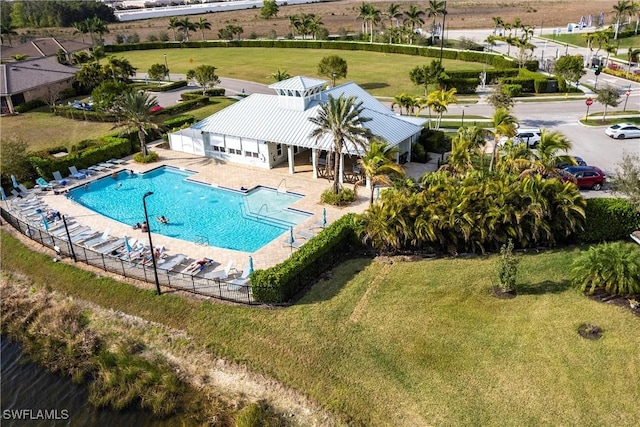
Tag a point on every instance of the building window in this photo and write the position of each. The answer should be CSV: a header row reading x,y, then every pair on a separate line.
x,y
279,150
218,148
235,151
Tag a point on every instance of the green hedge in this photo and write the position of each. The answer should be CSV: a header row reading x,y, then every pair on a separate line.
x,y
75,114
176,122
282,282
29,105
494,60
463,86
112,147
162,87
608,219
183,106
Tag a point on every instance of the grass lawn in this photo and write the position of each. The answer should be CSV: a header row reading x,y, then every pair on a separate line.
x,y
410,343
381,74
54,131
43,130
578,39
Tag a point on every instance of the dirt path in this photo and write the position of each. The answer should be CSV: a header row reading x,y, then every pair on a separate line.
x,y
335,15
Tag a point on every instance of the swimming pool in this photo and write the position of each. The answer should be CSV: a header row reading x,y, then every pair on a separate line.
x,y
196,212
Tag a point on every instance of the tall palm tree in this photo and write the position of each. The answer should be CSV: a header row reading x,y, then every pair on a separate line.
x,y
96,27
504,124
497,23
393,13
435,8
186,26
364,10
119,68
202,25
548,153
80,27
173,25
620,10
135,112
294,22
373,17
633,54
414,18
377,165
439,100
341,119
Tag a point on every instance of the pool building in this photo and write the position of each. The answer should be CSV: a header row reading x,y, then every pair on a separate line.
x,y
265,131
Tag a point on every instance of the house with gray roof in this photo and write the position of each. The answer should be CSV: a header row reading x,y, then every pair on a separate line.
x,y
44,48
266,130
23,81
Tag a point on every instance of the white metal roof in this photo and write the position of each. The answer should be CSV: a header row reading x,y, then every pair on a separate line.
x,y
260,117
298,83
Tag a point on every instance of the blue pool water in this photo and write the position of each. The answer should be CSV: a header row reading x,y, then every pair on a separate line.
x,y
196,212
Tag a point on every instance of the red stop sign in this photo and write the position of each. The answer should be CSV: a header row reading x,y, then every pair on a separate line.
x,y
589,101
628,92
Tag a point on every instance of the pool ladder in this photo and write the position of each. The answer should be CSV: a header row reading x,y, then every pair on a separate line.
x,y
282,190
202,240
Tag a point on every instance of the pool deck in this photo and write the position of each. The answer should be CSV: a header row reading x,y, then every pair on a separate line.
x,y
231,176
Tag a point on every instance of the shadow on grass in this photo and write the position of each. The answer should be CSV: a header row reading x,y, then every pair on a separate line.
x,y
373,85
546,287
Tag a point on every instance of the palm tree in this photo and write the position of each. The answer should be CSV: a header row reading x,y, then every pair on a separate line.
x,y
439,100
294,22
632,55
467,145
393,13
414,18
363,13
621,9
614,267
548,152
341,119
80,27
173,24
135,110
377,165
280,75
119,68
202,25
95,26
373,17
504,124
435,8
497,23
186,26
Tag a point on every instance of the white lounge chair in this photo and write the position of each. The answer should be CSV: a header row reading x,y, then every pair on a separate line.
x,y
307,234
169,263
221,274
107,165
97,241
116,161
237,284
58,177
97,168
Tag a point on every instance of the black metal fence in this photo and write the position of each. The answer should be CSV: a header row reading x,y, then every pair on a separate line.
x,y
214,288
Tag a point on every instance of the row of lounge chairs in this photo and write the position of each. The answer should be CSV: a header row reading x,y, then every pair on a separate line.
x,y
60,181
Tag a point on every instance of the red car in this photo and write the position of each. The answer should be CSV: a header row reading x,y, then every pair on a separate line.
x,y
156,109
589,177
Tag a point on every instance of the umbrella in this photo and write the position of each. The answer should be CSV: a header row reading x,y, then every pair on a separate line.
x,y
127,246
324,217
14,181
291,239
44,222
4,196
250,264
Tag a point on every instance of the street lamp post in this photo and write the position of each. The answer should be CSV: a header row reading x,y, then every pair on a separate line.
x,y
167,67
153,258
333,79
444,16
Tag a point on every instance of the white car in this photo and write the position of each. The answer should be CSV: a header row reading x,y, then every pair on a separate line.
x,y
623,130
524,136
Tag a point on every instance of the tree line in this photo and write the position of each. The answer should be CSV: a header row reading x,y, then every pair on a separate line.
x,y
22,14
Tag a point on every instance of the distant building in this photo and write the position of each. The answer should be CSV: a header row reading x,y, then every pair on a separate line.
x,y
266,130
44,48
23,81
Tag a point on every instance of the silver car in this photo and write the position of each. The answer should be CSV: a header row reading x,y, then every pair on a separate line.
x,y
623,130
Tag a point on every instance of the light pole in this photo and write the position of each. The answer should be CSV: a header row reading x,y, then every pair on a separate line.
x,y
333,79
167,67
444,16
153,258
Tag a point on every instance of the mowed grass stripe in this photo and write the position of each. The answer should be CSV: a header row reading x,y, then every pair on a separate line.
x,y
431,347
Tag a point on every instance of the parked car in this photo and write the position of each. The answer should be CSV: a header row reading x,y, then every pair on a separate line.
x,y
588,176
156,109
577,161
81,106
623,130
528,136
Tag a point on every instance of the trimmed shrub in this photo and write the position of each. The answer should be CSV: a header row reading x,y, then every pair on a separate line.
x,y
282,282
179,121
162,87
608,219
30,105
149,158
344,197
512,90
75,114
465,86
183,106
435,141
